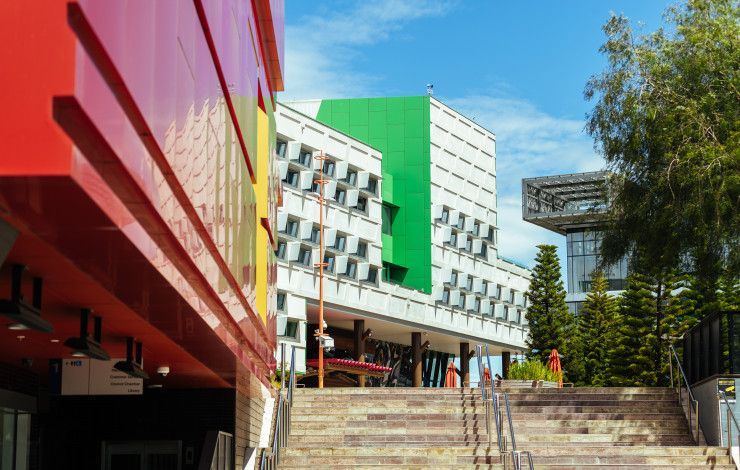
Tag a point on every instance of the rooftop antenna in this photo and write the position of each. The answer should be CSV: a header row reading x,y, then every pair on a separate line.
x,y
430,89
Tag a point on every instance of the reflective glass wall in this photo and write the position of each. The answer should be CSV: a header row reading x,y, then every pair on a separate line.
x,y
583,247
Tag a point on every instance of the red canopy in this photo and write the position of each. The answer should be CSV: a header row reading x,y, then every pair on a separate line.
x,y
451,376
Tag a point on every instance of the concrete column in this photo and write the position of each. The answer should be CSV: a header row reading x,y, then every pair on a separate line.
x,y
464,364
416,359
505,361
359,348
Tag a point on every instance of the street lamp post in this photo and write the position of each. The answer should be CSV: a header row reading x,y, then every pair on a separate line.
x,y
321,264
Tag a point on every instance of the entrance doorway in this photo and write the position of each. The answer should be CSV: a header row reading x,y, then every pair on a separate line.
x,y
15,429
142,455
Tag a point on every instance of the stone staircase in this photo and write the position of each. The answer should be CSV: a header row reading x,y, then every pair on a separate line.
x,y
406,428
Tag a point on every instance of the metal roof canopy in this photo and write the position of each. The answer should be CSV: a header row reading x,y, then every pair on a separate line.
x,y
555,202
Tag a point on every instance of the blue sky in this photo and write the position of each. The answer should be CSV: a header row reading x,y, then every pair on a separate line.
x,y
517,67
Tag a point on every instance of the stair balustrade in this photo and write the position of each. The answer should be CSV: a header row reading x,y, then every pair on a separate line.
x,y
281,425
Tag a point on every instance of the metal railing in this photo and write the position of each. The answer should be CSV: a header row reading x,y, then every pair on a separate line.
x,y
281,431
693,417
493,410
218,451
516,455
730,419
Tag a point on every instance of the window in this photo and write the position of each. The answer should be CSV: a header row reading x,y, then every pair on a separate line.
x,y
372,275
340,242
291,227
304,256
281,301
351,270
498,292
484,286
280,252
469,283
476,305
483,250
329,260
315,234
445,215
476,229
372,185
291,178
461,222
445,296
362,249
351,177
489,235
329,166
280,147
291,329
511,296
469,245
340,196
453,278
315,187
461,301
305,157
388,215
361,204
453,239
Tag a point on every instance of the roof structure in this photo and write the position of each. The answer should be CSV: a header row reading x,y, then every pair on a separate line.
x,y
555,202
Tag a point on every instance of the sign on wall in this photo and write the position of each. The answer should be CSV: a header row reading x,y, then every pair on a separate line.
x,y
82,376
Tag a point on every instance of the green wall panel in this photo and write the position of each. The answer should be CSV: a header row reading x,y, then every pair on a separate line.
x,y
398,127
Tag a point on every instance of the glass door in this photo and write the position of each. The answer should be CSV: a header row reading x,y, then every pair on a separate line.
x,y
15,428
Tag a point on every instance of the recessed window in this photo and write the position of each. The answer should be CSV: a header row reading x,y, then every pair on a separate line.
x,y
304,257
489,235
469,283
512,294
453,278
291,178
315,234
469,245
280,147
340,196
362,249
351,177
445,296
484,286
483,250
498,292
280,252
329,167
388,215
340,242
291,329
461,222
372,185
445,215
315,188
461,301
281,301
476,229
291,227
372,275
351,270
453,239
305,157
361,204
329,260
476,305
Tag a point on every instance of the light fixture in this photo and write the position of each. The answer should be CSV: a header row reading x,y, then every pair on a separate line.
x,y
84,345
367,334
425,346
24,315
132,366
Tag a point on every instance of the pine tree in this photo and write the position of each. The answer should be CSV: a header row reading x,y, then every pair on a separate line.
x,y
594,322
631,353
550,322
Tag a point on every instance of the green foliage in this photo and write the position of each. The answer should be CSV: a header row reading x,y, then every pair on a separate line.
x,y
667,121
632,360
550,322
532,370
594,328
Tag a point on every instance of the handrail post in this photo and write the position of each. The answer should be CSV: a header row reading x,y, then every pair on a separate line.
x,y
729,429
282,366
670,365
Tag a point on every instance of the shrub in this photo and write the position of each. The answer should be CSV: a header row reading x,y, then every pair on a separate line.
x,y
532,370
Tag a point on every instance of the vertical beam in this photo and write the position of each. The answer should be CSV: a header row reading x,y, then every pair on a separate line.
x,y
359,348
416,359
505,362
464,365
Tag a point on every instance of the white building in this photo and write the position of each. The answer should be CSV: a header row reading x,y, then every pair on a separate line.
x,y
446,282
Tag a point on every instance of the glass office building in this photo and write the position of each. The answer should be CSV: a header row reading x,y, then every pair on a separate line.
x,y
574,205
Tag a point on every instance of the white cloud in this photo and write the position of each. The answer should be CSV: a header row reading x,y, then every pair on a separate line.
x,y
529,143
321,50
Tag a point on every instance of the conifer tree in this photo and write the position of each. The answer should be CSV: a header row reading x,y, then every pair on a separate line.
x,y
594,322
550,322
631,355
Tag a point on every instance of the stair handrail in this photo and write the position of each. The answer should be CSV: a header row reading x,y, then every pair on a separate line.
x,y
516,455
281,429
492,407
730,415
693,403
